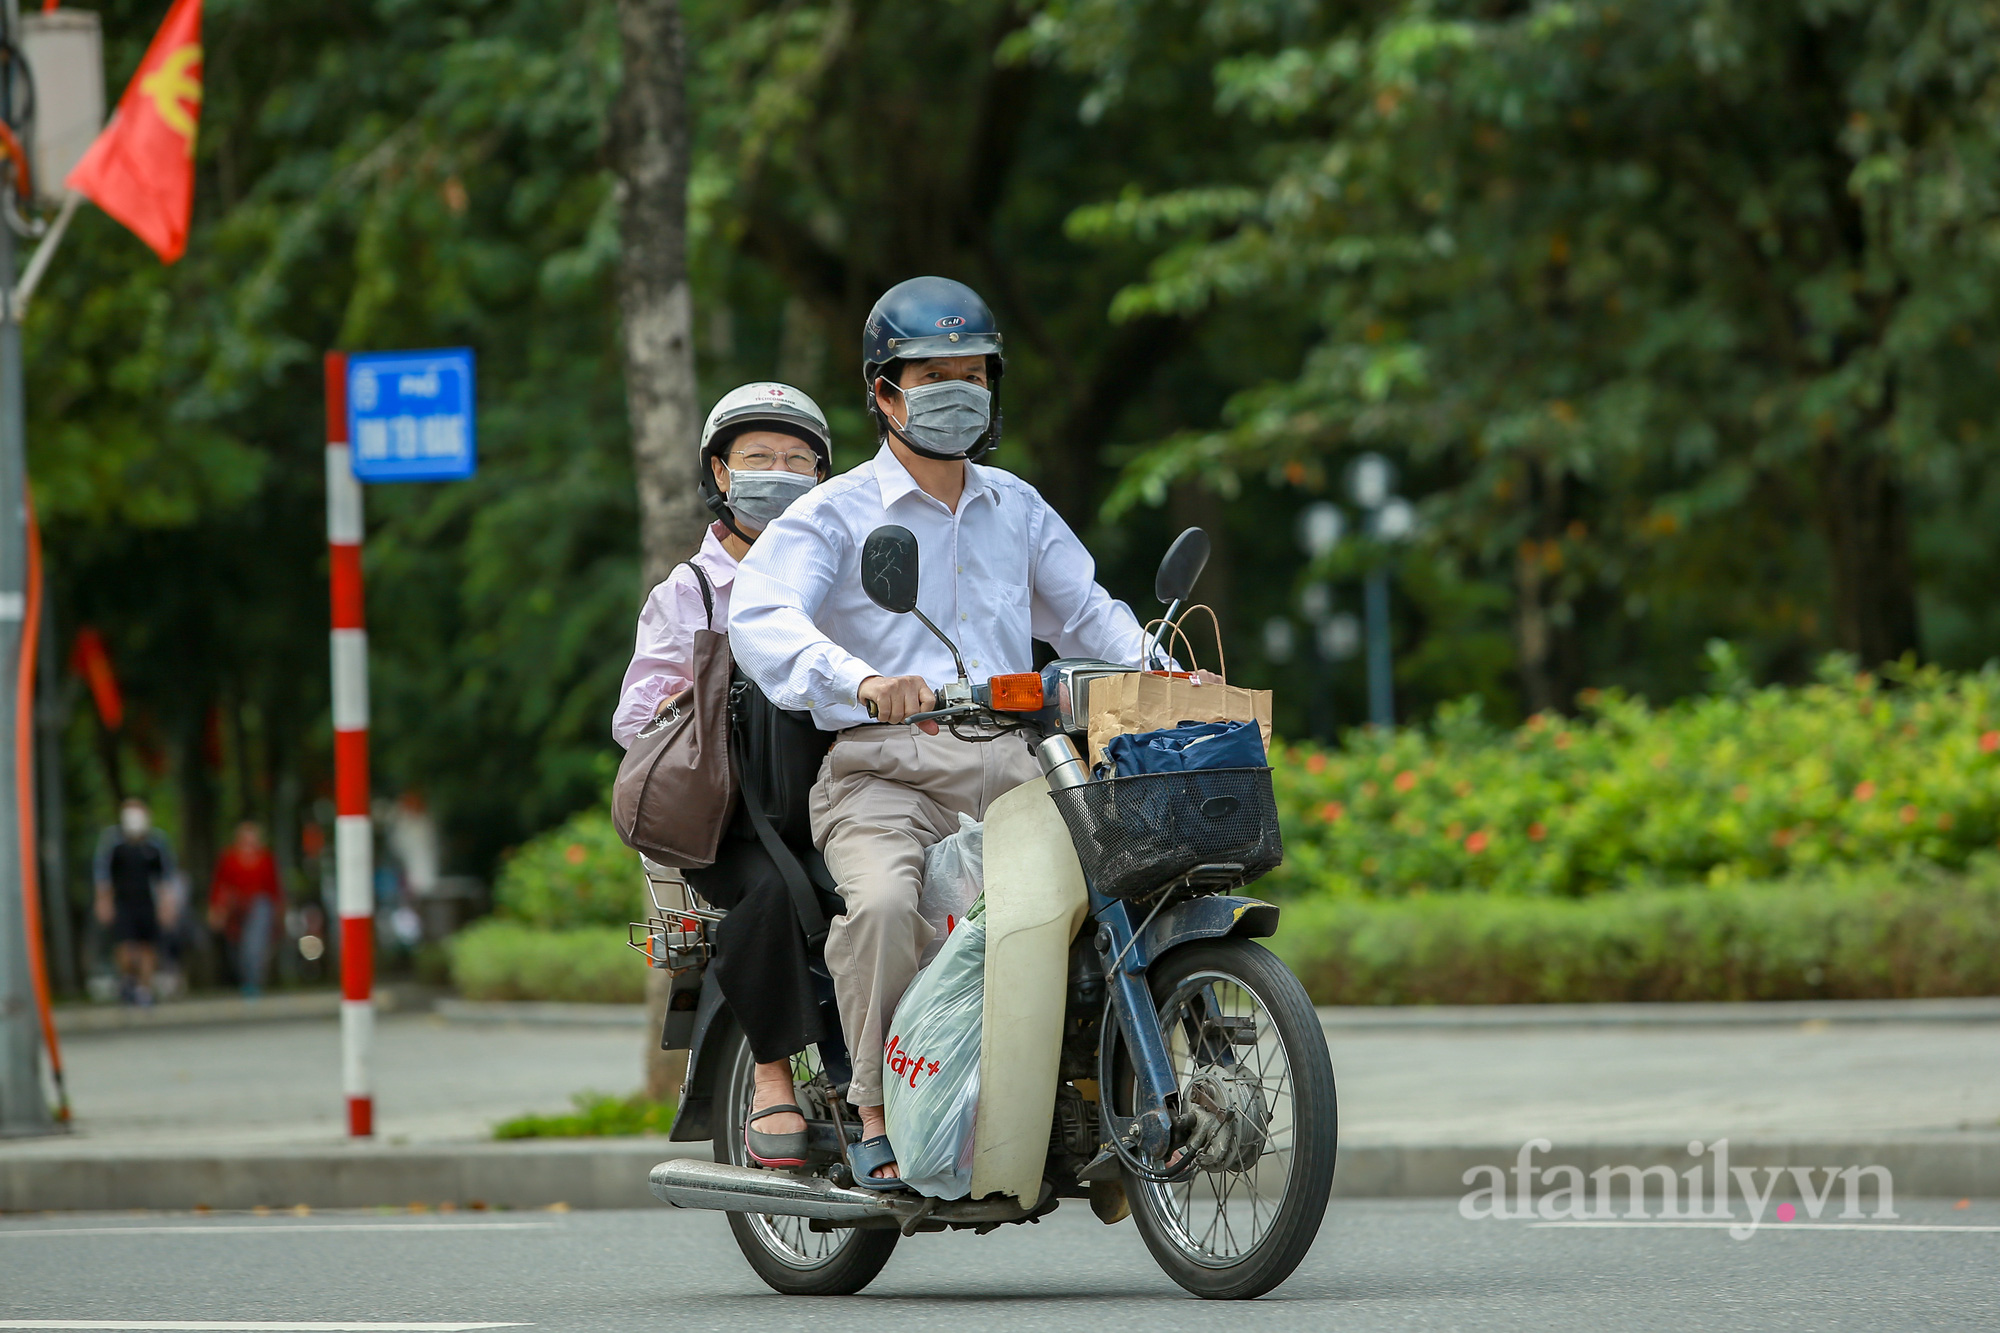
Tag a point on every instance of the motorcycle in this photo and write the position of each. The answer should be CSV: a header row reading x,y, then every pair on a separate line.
x,y
1147,1054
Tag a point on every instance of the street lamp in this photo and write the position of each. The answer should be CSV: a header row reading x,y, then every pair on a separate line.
x,y
1371,483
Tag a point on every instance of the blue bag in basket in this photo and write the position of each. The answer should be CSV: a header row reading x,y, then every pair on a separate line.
x,y
1191,745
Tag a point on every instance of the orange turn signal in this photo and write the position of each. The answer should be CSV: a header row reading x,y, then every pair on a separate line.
x,y
1021,693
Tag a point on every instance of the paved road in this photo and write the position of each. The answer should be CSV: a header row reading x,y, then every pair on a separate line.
x,y
278,1083
1378,1265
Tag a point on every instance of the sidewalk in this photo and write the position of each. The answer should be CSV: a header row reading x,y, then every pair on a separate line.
x,y
230,1116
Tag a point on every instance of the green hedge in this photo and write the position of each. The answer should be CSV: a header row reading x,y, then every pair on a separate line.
x,y
1848,935
513,960
576,874
1744,785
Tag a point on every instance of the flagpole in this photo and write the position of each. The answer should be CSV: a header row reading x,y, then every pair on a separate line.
x,y
23,1107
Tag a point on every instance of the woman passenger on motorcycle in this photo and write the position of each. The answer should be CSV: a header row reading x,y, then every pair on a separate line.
x,y
762,447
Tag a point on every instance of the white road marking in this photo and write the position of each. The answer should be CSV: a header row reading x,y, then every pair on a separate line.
x,y
1636,1224
261,1228
251,1325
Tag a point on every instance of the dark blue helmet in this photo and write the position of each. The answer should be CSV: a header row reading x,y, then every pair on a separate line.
x,y
922,318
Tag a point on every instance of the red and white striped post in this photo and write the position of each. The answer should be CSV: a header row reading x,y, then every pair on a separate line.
x,y
353,834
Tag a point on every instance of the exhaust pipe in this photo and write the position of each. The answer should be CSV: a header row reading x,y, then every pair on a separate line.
x,y
740,1189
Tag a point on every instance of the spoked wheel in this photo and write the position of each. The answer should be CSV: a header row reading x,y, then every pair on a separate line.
x,y
786,1252
1258,1116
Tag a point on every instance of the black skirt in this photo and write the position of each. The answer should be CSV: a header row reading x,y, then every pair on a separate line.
x,y
760,951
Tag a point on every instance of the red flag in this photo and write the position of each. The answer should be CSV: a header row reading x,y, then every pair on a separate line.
x,y
141,169
89,659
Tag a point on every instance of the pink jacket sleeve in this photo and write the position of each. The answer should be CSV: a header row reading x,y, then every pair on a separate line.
x,y
663,656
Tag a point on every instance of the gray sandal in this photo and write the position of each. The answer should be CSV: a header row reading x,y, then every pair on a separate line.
x,y
775,1149
864,1157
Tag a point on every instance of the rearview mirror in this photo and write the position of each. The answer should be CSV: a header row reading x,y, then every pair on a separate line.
x,y
889,568
1183,564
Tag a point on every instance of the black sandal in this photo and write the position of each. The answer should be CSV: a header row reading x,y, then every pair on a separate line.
x,y
775,1149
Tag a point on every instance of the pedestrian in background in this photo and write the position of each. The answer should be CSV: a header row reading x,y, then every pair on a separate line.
x,y
133,867
244,901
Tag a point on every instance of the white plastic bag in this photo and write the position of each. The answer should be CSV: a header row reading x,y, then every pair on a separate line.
x,y
930,1075
954,875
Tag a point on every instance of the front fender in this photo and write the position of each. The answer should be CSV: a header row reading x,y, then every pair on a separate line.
x,y
1210,918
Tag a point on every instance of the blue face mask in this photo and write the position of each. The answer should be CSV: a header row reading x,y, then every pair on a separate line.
x,y
757,498
947,419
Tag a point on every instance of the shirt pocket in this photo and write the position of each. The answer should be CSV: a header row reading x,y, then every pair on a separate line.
x,y
996,630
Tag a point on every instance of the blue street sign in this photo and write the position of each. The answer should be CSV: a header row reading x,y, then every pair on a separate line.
x,y
409,415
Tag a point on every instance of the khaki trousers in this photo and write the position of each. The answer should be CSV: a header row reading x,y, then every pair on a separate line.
x,y
884,795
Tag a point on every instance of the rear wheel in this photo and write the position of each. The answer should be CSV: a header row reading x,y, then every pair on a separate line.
x,y
786,1252
1257,1096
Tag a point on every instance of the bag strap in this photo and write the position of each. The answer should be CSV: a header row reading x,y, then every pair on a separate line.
x,y
707,594
1174,631
804,901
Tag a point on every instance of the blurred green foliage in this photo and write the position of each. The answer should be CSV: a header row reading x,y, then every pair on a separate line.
x,y
1736,786
576,874
1844,934
1679,319
597,1115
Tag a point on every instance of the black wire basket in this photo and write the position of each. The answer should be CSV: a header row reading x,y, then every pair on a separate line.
x,y
1139,834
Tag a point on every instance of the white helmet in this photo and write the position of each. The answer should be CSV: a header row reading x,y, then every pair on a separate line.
x,y
767,406
760,406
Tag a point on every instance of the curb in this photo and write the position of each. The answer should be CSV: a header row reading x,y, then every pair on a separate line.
x,y
612,1173
541,1012
1981,1009
228,1010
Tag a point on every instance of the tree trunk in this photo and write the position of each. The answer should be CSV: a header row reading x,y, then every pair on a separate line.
x,y
650,152
1868,533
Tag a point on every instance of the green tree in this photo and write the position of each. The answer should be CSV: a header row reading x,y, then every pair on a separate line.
x,y
1680,315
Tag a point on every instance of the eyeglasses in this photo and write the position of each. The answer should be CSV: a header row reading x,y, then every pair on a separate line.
x,y
802,461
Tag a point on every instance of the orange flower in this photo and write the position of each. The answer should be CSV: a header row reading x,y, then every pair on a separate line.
x,y
1476,842
1864,791
1989,742
1782,838
574,853
1405,780
1537,831
1908,814
1563,740
1740,793
1332,812
1315,763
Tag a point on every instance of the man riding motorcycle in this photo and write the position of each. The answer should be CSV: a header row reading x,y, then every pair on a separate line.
x,y
1000,569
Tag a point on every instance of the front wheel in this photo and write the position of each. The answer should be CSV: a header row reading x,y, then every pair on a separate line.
x,y
1257,1110
787,1253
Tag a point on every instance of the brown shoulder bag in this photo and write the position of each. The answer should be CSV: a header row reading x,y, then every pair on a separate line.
x,y
675,785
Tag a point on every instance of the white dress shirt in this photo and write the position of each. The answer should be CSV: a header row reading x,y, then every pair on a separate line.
x,y
1000,572
663,657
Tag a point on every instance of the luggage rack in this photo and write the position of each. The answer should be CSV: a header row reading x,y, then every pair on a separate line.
x,y
675,939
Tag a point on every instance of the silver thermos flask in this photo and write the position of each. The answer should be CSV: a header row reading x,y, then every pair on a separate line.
x,y
1061,764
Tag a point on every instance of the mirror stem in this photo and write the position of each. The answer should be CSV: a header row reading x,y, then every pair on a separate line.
x,y
1166,623
957,661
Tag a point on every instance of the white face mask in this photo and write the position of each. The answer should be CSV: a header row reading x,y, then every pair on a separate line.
x,y
757,498
134,821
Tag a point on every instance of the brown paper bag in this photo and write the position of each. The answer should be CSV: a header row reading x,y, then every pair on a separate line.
x,y
1153,700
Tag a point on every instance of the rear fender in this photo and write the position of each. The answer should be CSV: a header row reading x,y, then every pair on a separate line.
x,y
707,1048
1211,918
